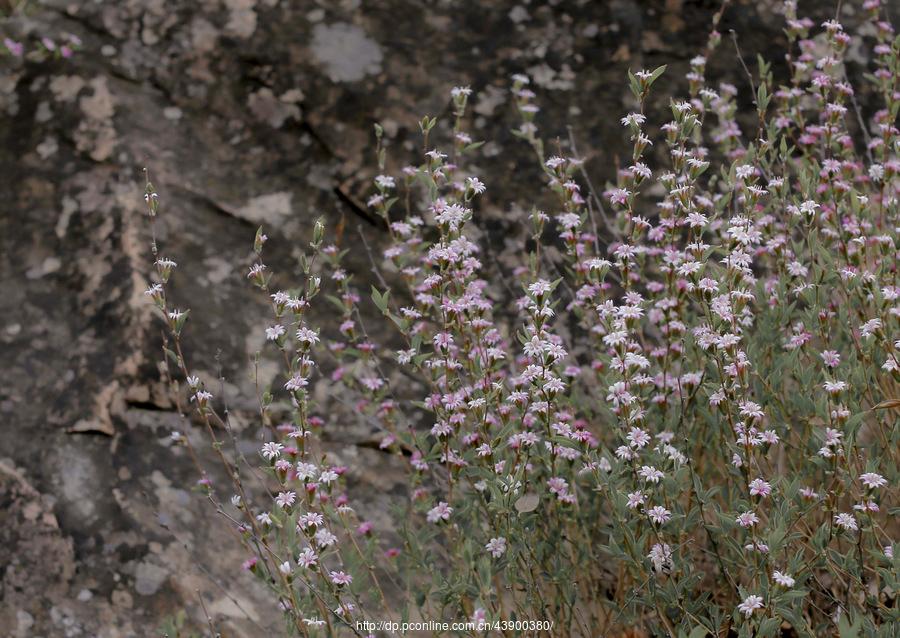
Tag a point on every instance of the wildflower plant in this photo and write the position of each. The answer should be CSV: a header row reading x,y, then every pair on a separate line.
x,y
712,448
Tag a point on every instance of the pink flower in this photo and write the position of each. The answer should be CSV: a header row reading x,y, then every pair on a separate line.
x,y
634,500
340,578
440,512
307,558
659,514
558,485
496,546
638,438
872,480
650,474
15,48
831,358
747,519
832,437
310,519
759,487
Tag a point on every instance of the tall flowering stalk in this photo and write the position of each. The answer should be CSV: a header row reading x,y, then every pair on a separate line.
x,y
688,423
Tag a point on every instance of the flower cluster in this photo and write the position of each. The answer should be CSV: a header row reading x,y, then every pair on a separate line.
x,y
46,47
687,421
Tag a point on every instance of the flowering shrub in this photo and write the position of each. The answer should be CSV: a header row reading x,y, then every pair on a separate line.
x,y
43,48
690,429
46,48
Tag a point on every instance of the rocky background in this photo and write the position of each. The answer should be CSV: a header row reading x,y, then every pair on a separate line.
x,y
246,112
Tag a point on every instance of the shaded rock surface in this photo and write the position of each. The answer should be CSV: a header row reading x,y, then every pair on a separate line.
x,y
246,112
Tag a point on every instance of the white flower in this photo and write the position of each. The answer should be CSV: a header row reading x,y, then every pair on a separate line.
x,y
872,480
633,119
305,335
785,580
846,521
744,171
274,332
638,438
475,184
296,382
341,578
202,397
759,487
307,558
496,546
439,512
306,471
659,514
328,476
310,518
661,556
271,450
286,499
751,603
870,327
384,182
539,287
747,519
634,500
324,538
809,207
650,474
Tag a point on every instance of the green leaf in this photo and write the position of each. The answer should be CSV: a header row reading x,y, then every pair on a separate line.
x,y
762,98
380,299
658,71
634,85
699,632
768,627
846,629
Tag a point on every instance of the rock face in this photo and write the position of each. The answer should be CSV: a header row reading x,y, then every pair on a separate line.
x,y
246,112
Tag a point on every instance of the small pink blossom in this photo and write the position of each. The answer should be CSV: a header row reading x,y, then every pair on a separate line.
x,y
340,578
440,512
831,358
496,546
747,519
759,487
